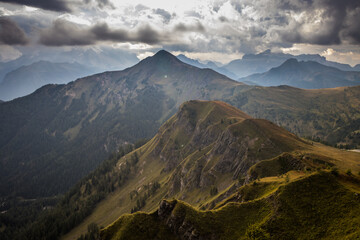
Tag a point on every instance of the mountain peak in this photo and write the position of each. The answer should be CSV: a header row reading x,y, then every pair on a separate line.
x,y
163,54
161,59
267,51
290,61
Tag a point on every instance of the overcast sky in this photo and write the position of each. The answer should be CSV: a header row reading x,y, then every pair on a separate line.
x,y
213,30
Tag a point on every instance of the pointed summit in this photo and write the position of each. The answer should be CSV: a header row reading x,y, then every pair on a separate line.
x,y
291,63
164,56
162,59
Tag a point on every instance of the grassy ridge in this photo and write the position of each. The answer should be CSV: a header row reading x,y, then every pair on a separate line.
x,y
193,156
314,207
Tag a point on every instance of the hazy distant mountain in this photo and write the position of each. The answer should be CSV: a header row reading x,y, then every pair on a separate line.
x,y
209,64
27,79
308,75
262,62
98,60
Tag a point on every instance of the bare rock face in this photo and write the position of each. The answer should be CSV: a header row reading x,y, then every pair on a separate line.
x,y
165,209
177,223
206,141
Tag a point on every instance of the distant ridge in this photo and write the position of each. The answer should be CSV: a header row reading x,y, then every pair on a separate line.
x,y
308,75
264,61
27,79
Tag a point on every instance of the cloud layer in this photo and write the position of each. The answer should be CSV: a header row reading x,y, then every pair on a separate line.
x,y
223,26
11,33
53,5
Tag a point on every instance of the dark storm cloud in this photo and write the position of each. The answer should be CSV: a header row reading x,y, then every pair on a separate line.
x,y
351,30
339,22
53,5
11,33
144,34
64,33
163,13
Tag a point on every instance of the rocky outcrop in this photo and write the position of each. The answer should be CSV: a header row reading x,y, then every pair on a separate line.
x,y
177,222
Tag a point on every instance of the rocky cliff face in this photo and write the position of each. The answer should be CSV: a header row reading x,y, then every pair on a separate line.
x,y
205,141
178,224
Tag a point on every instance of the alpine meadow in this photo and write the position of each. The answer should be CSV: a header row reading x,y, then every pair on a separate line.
x,y
184,120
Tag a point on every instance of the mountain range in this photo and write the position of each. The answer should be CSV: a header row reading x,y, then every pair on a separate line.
x,y
242,177
209,64
308,75
27,79
66,130
99,59
53,137
264,61
33,70
22,76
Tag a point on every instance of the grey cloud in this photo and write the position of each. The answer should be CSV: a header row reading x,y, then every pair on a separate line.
x,y
193,14
144,34
64,33
163,13
148,35
104,3
181,27
11,33
53,5
352,26
223,19
340,22
140,7
103,32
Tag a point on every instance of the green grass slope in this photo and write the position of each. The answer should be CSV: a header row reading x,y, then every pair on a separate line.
x,y
331,115
318,206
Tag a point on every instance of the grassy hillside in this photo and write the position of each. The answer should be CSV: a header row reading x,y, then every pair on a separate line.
x,y
323,114
315,206
204,153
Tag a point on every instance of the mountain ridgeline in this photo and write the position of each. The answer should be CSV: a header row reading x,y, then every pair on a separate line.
x,y
308,75
244,179
264,61
53,137
27,79
238,173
